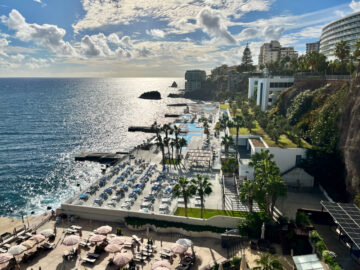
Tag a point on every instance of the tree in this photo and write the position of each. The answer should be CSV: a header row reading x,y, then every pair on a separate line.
x,y
276,188
160,143
172,144
268,262
185,189
176,133
203,188
182,143
246,61
206,126
342,51
156,127
249,122
315,61
227,141
224,120
356,52
237,123
234,108
247,193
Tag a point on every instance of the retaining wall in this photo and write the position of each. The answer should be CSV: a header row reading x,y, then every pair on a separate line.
x,y
115,215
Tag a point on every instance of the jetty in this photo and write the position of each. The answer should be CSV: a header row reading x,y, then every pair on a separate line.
x,y
172,115
141,129
104,158
177,105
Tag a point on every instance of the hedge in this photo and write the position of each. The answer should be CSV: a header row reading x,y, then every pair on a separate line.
x,y
138,222
322,250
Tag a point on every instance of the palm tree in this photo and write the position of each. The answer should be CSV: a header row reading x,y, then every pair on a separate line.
x,y
203,188
247,193
176,133
223,121
172,144
268,262
206,126
342,51
185,189
160,144
156,127
166,142
228,142
275,188
238,122
356,53
182,143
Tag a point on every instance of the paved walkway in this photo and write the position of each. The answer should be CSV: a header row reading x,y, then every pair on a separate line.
x,y
332,242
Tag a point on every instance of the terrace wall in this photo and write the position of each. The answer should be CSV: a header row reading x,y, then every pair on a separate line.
x,y
115,215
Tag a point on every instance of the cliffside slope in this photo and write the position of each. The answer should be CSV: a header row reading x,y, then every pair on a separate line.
x,y
350,136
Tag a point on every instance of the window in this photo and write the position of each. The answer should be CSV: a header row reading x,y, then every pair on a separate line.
x,y
298,160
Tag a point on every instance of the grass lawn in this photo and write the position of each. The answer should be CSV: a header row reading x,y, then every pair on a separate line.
x,y
208,213
224,106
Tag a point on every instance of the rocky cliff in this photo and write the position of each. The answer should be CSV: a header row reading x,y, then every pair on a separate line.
x,y
350,136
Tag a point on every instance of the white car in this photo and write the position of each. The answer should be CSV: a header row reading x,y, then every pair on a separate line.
x,y
146,205
166,200
164,209
181,201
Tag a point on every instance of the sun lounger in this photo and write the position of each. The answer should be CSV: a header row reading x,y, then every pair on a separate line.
x,y
74,227
3,250
70,231
84,244
128,245
88,260
48,246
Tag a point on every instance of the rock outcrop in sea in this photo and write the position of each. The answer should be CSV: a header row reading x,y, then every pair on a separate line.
x,y
174,85
151,95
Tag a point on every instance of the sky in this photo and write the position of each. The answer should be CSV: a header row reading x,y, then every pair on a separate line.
x,y
151,38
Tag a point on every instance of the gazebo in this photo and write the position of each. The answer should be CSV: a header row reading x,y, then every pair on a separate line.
x,y
198,157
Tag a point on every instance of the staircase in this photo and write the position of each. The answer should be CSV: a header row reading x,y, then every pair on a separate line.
x,y
232,202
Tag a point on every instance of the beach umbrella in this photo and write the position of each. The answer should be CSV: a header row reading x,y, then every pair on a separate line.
x,y
47,232
113,248
16,250
161,268
103,230
163,264
5,257
184,242
122,259
71,240
29,244
97,238
243,265
178,249
117,240
38,238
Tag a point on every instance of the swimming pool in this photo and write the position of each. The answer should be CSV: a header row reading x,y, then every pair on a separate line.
x,y
187,137
193,127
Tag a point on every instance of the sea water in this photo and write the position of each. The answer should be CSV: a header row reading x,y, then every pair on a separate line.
x,y
45,122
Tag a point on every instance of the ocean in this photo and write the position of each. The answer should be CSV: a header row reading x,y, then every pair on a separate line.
x,y
45,122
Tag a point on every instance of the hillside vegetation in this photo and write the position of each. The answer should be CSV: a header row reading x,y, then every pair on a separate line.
x,y
315,108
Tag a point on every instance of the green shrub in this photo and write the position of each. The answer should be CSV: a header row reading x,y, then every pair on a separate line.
x,y
315,237
330,260
138,222
236,261
302,219
300,105
320,246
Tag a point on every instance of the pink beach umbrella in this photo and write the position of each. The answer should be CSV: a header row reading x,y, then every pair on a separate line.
x,y
29,243
117,240
38,238
162,264
178,249
5,257
97,238
71,240
113,248
122,259
103,230
161,268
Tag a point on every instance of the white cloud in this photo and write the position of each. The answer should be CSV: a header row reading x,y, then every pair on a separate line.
x,y
46,35
37,1
354,5
156,33
212,23
176,12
